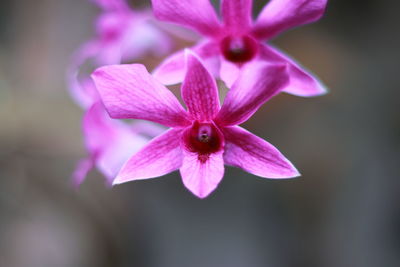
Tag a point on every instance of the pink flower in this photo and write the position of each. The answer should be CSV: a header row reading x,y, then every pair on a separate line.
x,y
126,34
237,41
205,136
122,34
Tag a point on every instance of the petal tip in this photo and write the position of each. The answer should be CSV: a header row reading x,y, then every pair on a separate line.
x,y
118,180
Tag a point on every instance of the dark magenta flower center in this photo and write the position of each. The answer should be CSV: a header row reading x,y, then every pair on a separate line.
x,y
203,138
239,49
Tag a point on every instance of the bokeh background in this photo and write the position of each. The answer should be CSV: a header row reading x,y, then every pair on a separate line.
x,y
343,211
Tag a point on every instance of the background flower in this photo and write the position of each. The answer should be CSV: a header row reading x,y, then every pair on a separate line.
x,y
237,42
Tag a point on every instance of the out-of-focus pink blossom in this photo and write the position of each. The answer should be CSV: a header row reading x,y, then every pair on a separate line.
x,y
206,136
235,43
122,34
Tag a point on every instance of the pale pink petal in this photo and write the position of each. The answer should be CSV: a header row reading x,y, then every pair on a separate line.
x,y
257,83
147,128
195,14
80,90
141,36
301,81
129,91
109,142
229,72
280,15
161,156
199,90
172,69
255,155
81,170
237,15
199,176
110,28
125,36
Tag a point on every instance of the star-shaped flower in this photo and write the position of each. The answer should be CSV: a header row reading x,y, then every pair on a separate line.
x,y
203,138
230,46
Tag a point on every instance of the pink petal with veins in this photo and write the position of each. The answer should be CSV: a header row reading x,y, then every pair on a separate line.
x,y
280,15
237,15
202,177
195,14
257,83
161,156
199,90
253,154
129,91
301,82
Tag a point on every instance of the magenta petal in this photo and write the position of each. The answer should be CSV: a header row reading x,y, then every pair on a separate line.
x,y
253,154
301,81
129,91
199,90
237,15
109,142
202,177
256,84
196,14
172,70
161,156
280,15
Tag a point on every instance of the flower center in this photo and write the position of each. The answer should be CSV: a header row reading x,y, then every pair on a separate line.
x,y
239,49
203,138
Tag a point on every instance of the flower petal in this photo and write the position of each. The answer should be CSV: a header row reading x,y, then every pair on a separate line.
x,y
161,156
109,142
257,83
253,154
202,177
82,90
237,15
196,14
199,90
229,72
280,15
301,81
172,69
142,36
129,91
81,170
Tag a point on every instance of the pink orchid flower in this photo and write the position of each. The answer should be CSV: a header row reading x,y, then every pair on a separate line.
x,y
203,138
238,41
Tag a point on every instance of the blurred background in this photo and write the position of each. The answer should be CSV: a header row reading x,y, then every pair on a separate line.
x,y
343,211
